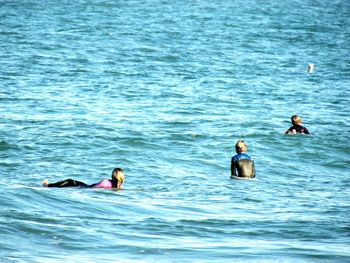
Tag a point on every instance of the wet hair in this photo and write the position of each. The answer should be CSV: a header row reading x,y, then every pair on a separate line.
x,y
117,175
240,146
296,120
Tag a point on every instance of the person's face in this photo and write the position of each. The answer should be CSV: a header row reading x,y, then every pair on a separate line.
x,y
120,175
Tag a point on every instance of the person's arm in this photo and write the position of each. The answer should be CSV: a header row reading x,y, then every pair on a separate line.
x,y
233,167
253,170
306,131
288,131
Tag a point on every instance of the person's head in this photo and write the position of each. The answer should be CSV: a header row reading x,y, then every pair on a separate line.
x,y
296,120
240,146
118,175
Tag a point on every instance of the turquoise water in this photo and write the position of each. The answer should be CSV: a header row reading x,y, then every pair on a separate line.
x,y
163,89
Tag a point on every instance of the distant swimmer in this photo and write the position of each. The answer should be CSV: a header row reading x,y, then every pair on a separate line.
x,y
116,182
310,68
242,165
297,128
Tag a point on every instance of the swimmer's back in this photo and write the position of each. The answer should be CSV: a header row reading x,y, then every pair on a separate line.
x,y
105,183
245,168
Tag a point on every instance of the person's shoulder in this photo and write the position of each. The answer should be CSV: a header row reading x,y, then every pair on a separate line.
x,y
249,157
243,156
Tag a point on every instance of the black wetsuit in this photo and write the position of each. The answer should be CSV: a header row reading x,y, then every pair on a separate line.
x,y
242,166
298,129
68,183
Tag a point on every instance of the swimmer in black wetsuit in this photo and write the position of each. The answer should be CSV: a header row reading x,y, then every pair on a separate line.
x,y
242,165
115,182
297,128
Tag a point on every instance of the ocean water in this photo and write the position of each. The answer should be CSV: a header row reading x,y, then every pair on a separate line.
x,y
164,89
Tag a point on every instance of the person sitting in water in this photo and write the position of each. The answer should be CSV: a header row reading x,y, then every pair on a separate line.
x,y
116,182
296,128
242,164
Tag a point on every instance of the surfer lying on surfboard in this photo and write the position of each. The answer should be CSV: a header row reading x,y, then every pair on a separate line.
x,y
116,182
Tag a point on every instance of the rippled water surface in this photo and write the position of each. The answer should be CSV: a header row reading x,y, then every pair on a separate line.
x,y
163,89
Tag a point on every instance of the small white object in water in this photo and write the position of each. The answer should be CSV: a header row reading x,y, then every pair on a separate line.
x,y
310,68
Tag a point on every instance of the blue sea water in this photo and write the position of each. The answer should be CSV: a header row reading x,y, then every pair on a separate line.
x,y
163,89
